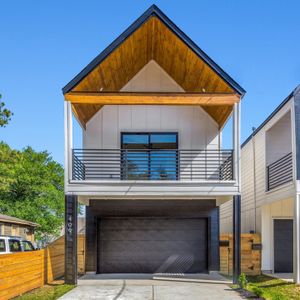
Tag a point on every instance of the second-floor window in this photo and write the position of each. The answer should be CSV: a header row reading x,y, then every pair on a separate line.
x,y
151,156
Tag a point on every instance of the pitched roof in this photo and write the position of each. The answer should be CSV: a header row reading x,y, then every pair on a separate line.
x,y
154,11
9,219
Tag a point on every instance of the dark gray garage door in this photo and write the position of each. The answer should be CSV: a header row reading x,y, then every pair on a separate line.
x,y
283,246
152,245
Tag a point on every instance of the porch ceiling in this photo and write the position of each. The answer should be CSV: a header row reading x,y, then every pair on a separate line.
x,y
155,38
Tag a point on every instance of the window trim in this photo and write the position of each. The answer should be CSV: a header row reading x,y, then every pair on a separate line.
x,y
149,133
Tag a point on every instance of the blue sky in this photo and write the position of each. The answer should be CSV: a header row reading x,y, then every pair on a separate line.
x,y
45,43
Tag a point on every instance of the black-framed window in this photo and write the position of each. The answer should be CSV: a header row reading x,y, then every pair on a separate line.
x,y
149,155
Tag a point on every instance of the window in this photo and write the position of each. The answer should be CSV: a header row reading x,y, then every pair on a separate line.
x,y
14,230
27,246
149,156
14,246
2,246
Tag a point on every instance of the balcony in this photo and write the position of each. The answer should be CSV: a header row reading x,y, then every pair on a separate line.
x,y
280,172
152,164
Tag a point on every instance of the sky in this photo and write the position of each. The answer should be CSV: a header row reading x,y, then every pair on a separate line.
x,y
44,44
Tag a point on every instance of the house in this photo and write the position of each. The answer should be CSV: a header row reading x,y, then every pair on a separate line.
x,y
270,173
151,170
17,227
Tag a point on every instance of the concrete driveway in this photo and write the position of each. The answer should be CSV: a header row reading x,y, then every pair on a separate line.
x,y
151,289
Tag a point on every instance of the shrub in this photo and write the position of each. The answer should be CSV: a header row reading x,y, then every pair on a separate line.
x,y
257,291
243,281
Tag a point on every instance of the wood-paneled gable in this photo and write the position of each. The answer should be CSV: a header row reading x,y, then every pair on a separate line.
x,y
153,40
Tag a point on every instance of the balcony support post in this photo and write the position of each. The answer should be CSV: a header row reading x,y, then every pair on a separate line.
x,y
68,126
236,143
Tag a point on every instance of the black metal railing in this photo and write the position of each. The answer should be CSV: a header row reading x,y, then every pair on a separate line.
x,y
280,172
152,164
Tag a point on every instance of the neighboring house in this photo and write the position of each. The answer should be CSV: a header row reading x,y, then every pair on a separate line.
x,y
270,172
151,171
17,227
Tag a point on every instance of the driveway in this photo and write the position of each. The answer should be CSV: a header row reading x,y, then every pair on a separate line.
x,y
151,289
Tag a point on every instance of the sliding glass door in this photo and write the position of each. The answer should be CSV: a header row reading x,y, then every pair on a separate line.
x,y
149,156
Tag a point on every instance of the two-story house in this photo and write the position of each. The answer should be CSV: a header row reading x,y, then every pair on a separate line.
x,y
270,173
151,170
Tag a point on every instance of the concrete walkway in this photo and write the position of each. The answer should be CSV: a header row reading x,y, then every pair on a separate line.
x,y
151,289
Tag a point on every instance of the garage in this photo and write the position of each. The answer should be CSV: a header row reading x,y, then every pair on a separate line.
x,y
152,245
283,246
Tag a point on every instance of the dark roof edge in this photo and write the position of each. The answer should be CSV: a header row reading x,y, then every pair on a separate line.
x,y
277,109
153,10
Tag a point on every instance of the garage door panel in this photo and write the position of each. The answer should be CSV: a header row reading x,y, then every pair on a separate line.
x,y
147,235
127,251
148,224
149,245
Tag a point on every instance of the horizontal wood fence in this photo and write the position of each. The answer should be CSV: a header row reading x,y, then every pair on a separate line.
x,y
21,272
25,271
250,254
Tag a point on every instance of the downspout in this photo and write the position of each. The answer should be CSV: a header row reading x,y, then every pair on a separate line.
x,y
254,176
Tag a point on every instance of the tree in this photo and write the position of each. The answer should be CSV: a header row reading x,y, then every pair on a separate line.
x,y
5,114
32,188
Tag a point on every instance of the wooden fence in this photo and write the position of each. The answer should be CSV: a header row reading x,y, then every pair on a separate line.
x,y
21,272
55,253
250,254
25,271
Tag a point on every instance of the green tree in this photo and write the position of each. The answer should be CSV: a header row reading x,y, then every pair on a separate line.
x,y
5,114
32,188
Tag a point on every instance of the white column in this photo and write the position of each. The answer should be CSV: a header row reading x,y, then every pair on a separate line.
x,y
296,220
297,239
236,143
68,127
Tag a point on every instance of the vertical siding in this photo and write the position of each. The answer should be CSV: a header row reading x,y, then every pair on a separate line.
x,y
195,127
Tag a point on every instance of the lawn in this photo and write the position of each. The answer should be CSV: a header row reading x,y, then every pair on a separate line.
x,y
48,292
273,289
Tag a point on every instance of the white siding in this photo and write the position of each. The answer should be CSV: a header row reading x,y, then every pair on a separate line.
x,y
278,139
152,78
196,129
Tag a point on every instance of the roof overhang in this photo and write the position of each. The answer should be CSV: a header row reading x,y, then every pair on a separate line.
x,y
153,36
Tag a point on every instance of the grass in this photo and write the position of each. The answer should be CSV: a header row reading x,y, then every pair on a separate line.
x,y
48,292
272,288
